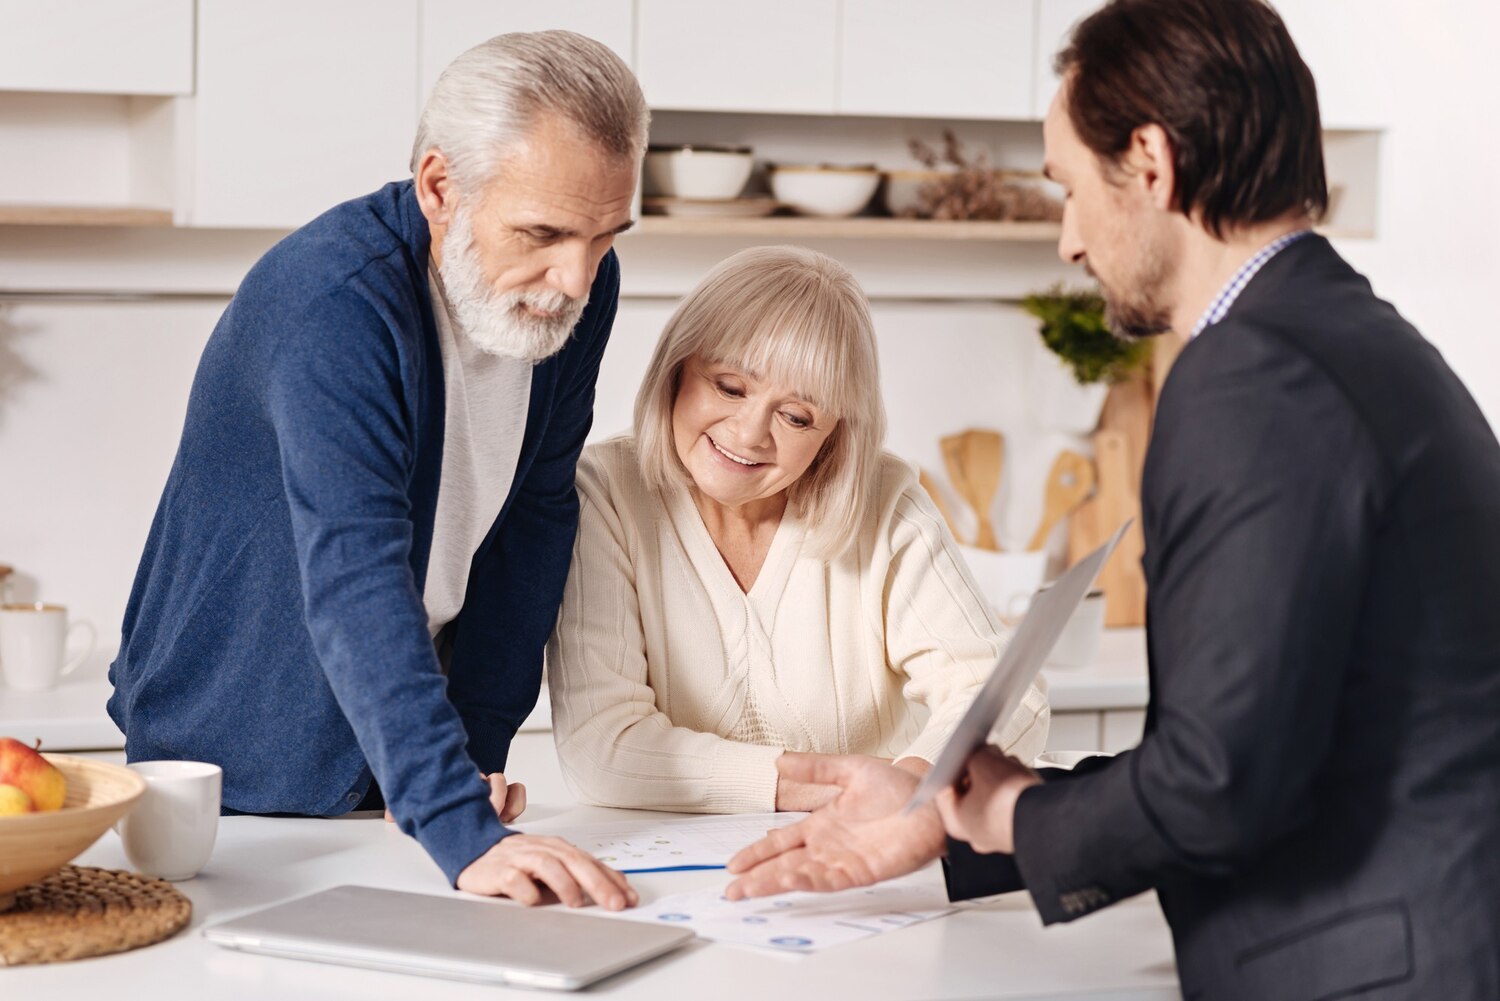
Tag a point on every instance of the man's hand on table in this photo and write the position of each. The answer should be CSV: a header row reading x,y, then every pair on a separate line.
x,y
509,800
521,865
981,809
860,838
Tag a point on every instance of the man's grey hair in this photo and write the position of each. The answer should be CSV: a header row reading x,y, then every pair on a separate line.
x,y
489,98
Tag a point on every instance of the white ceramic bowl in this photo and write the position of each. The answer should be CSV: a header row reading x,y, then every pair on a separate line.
x,y
903,189
701,172
824,190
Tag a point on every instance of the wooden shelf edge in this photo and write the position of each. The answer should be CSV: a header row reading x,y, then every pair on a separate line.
x,y
83,215
853,228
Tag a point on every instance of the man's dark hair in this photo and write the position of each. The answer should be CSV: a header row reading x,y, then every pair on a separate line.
x,y
1225,82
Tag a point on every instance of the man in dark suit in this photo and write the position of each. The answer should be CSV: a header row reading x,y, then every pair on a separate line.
x,y
1316,799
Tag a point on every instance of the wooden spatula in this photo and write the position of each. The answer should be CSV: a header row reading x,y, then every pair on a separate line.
x,y
973,460
984,456
1068,485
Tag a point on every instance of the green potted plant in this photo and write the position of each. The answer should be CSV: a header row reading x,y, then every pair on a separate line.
x,y
1074,330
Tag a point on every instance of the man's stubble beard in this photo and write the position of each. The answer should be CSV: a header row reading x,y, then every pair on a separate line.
x,y
1134,308
497,322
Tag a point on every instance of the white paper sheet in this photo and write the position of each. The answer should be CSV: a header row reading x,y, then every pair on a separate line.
x,y
801,922
706,842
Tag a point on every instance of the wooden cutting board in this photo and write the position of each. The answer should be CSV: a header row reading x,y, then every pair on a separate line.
x,y
1121,580
1129,412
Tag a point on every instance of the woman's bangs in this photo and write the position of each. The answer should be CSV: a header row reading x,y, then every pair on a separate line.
x,y
799,346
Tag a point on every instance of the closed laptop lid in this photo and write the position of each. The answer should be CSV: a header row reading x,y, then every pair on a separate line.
x,y
485,941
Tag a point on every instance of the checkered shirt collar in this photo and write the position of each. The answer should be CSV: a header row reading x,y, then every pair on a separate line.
x,y
1230,292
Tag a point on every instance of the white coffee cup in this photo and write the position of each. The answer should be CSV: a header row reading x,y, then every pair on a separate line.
x,y
1078,646
33,645
1007,580
170,832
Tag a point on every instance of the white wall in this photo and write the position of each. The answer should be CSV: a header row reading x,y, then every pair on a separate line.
x,y
1438,254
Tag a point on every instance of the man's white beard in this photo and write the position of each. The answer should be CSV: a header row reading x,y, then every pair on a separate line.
x,y
498,323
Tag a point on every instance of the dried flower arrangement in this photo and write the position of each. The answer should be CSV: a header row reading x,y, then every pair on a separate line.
x,y
975,189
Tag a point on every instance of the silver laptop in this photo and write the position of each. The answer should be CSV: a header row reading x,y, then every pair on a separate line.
x,y
482,941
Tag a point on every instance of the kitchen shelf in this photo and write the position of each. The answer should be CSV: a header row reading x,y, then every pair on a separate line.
x,y
799,227
83,215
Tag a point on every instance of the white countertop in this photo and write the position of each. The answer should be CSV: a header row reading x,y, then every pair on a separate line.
x,y
71,717
994,949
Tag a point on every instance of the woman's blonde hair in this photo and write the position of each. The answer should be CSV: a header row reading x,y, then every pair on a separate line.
x,y
791,316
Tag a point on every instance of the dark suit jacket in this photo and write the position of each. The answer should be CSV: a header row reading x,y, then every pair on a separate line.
x,y
1316,799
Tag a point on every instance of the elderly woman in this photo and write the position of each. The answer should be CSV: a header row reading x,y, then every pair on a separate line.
x,y
752,574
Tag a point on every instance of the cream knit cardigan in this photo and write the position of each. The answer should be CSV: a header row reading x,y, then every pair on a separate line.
x,y
672,689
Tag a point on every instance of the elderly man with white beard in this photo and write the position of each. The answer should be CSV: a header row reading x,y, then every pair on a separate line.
x,y
361,547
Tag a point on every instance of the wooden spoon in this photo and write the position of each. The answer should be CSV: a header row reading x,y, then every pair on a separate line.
x,y
1068,486
973,459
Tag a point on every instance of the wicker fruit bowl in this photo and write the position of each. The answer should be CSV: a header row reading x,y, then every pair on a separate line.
x,y
34,845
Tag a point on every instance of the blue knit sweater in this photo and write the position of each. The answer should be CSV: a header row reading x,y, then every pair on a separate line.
x,y
276,624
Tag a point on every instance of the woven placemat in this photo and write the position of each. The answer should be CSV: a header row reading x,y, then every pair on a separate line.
x,y
81,911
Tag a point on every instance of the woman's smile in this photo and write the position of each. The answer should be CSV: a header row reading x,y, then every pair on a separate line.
x,y
738,460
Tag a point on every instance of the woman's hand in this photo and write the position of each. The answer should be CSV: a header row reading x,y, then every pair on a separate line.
x,y
801,797
508,799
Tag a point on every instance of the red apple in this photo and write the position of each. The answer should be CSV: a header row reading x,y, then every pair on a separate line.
x,y
34,775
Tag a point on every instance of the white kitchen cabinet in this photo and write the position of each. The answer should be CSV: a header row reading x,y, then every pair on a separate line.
x,y
1073,731
774,55
449,27
300,105
1121,729
1054,22
97,46
940,59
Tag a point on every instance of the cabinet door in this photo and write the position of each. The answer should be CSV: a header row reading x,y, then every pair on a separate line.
x,y
1074,731
449,27
1054,23
1122,729
301,105
774,55
940,59
1353,77
97,46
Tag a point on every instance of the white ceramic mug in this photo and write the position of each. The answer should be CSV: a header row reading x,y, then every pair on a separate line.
x,y
1007,580
1078,646
34,642
170,832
